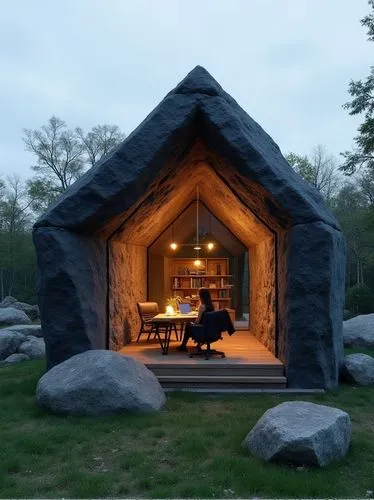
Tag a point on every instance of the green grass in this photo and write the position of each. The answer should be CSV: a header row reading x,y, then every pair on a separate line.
x,y
354,350
191,449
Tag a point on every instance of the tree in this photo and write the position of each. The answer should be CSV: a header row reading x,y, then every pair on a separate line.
x,y
362,93
353,212
16,252
62,156
58,152
320,170
100,141
366,183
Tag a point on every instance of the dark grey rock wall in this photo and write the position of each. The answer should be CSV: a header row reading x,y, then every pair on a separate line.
x,y
120,179
72,291
314,306
233,134
73,276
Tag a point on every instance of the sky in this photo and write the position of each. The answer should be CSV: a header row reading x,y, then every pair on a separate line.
x,y
286,62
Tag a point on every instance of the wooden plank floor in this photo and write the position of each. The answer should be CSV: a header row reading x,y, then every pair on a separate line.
x,y
240,348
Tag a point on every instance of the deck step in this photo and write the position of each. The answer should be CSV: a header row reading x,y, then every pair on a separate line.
x,y
217,370
222,381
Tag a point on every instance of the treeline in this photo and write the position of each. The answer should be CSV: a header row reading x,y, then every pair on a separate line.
x,y
61,156
351,199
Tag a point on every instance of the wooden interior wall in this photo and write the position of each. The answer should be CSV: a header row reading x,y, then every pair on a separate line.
x,y
167,282
262,292
238,272
156,278
127,286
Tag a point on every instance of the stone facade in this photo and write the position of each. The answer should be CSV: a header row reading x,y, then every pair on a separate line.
x,y
91,244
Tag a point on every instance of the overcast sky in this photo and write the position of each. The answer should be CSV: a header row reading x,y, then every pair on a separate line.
x,y
287,63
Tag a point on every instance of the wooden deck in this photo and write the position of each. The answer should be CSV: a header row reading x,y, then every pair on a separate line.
x,y
248,364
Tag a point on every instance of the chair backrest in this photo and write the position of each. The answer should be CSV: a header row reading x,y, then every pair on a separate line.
x,y
217,322
147,310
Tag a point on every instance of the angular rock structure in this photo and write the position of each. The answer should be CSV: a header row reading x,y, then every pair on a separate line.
x,y
359,331
359,369
11,316
92,243
301,433
99,382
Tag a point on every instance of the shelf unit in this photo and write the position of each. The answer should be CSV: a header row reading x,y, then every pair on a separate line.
x,y
214,273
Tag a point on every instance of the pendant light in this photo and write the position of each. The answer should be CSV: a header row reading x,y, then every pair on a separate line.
x,y
173,245
210,245
197,247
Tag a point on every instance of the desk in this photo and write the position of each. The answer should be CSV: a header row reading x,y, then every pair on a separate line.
x,y
166,320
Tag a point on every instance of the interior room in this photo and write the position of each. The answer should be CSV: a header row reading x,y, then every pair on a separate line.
x,y
196,251
195,233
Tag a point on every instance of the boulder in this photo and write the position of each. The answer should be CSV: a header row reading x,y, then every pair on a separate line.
x,y
9,343
11,316
359,369
301,433
7,301
33,347
14,358
99,382
359,331
33,330
31,311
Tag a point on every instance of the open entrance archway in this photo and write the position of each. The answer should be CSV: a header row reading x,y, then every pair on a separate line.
x,y
129,244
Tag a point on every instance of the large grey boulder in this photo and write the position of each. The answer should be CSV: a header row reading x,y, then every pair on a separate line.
x,y
14,358
33,347
359,369
11,316
33,330
7,301
9,343
301,433
359,331
31,311
99,382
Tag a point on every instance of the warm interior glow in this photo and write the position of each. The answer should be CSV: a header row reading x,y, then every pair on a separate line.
x,y
210,246
197,247
170,311
173,246
197,263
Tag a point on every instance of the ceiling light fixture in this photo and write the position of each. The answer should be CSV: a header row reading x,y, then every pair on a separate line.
x,y
196,246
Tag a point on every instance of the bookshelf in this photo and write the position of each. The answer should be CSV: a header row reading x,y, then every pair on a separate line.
x,y
213,273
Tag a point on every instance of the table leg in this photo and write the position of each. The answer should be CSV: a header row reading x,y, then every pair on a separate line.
x,y
167,339
157,334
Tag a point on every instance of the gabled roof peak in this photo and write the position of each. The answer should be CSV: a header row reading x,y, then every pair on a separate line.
x,y
199,81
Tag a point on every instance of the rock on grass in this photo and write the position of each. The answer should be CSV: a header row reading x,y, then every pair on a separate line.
x,y
99,382
301,433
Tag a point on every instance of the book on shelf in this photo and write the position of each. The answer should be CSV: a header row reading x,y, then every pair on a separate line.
x,y
197,282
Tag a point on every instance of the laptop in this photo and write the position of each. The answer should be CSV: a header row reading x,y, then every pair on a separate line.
x,y
185,308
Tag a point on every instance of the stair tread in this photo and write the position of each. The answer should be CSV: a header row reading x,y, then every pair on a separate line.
x,y
209,365
218,378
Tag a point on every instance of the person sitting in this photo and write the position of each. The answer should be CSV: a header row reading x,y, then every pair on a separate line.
x,y
206,305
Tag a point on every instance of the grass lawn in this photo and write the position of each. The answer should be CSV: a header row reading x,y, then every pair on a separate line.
x,y
191,449
363,350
